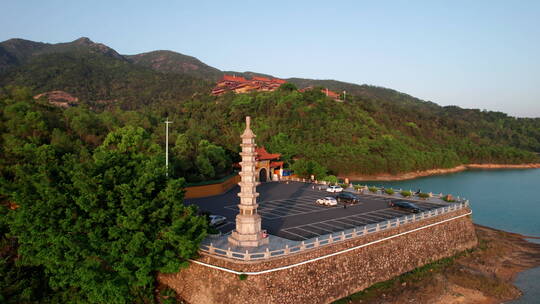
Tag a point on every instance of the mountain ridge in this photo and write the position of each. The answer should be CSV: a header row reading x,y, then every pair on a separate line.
x,y
16,52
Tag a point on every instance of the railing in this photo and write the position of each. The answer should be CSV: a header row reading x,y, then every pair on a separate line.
x,y
333,238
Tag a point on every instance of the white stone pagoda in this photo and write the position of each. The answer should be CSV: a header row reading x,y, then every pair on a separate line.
x,y
248,222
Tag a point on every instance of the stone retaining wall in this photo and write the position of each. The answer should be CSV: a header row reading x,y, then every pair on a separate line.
x,y
329,279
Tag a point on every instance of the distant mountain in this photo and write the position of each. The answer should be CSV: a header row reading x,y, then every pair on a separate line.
x,y
172,62
20,51
92,72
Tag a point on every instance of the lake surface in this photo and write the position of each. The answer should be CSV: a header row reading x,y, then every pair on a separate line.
x,y
504,199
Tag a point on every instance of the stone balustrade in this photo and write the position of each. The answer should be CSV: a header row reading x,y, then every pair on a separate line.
x,y
333,238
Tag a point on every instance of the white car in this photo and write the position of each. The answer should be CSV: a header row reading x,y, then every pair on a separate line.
x,y
216,220
334,189
327,201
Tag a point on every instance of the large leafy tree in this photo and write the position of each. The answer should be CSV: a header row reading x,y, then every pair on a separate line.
x,y
103,227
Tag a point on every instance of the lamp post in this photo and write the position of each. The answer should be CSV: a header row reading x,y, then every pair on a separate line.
x,y
167,122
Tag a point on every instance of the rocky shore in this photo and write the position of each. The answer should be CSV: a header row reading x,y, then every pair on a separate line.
x,y
482,275
416,174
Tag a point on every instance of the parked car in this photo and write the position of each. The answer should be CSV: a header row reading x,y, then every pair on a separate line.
x,y
327,201
334,189
347,197
216,220
404,205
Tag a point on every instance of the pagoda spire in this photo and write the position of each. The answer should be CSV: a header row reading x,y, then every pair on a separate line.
x,y
248,222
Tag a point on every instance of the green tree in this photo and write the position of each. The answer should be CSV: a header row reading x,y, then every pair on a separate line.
x,y
104,227
306,168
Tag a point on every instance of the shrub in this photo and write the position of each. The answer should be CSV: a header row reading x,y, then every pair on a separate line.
x,y
449,198
389,191
168,296
373,189
358,187
406,193
242,277
344,186
331,179
423,195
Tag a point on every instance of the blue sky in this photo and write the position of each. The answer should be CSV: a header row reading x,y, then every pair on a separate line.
x,y
474,54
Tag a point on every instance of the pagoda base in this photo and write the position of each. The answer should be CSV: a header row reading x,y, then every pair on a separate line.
x,y
247,240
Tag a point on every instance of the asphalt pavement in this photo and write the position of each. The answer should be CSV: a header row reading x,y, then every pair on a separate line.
x,y
289,210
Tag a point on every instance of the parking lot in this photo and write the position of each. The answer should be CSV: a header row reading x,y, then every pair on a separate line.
x,y
289,210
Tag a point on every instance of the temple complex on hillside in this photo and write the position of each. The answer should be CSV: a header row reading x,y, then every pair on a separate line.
x,y
334,95
239,84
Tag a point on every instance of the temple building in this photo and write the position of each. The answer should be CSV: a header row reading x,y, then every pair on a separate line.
x,y
268,165
239,84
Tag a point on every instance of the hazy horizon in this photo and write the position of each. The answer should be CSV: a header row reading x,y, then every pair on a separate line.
x,y
482,55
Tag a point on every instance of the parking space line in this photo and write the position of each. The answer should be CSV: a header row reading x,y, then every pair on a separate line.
x,y
327,227
349,220
273,213
292,208
383,215
314,230
309,232
317,227
300,232
375,217
292,233
270,215
357,219
336,224
331,227
368,220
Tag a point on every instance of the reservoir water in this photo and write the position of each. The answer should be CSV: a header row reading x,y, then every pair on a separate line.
x,y
503,199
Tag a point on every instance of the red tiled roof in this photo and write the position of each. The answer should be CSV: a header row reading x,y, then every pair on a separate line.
x,y
276,164
262,154
331,93
234,78
256,78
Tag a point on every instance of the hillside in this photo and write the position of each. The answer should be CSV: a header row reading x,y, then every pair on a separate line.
x,y
172,62
376,130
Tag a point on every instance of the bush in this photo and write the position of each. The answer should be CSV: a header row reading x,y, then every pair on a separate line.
x,y
357,187
373,189
423,195
449,198
168,296
344,186
389,191
331,179
242,277
406,193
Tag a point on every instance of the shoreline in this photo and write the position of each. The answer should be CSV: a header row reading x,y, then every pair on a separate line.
x,y
431,172
486,274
